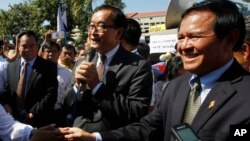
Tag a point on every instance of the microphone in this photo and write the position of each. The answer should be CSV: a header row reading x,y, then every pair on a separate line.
x,y
90,54
89,57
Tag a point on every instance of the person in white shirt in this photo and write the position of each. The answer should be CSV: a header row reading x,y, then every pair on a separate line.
x,y
51,51
12,130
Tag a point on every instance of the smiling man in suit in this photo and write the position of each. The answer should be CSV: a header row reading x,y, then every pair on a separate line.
x,y
121,93
38,94
208,34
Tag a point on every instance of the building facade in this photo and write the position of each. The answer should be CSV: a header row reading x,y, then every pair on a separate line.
x,y
148,19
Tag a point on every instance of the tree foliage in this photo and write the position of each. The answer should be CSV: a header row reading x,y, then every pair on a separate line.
x,y
117,3
31,14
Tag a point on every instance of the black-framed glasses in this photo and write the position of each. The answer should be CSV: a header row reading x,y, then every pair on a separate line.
x,y
99,28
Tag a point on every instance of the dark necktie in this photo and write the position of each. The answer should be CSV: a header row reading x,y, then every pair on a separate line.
x,y
21,82
193,103
21,88
101,67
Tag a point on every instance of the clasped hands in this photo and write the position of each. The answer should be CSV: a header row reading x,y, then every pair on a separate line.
x,y
51,133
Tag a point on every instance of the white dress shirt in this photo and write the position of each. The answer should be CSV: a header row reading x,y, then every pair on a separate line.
x,y
11,129
64,79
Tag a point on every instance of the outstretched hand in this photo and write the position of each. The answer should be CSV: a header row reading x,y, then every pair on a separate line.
x,y
50,133
77,134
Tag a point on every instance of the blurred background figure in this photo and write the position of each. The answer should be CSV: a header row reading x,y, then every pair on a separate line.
x,y
131,36
67,57
164,72
144,50
82,51
243,54
51,51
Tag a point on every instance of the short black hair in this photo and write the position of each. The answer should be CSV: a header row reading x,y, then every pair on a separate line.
x,y
68,46
133,32
118,17
228,18
49,44
247,21
173,66
28,33
143,50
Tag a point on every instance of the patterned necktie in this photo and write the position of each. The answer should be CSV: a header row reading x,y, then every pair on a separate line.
x,y
193,103
101,67
21,82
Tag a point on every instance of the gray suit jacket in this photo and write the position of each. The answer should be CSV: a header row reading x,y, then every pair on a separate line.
x,y
231,96
123,98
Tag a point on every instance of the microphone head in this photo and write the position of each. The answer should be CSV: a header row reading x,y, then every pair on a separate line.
x,y
90,54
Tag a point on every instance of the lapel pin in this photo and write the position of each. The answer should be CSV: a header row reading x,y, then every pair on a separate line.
x,y
212,104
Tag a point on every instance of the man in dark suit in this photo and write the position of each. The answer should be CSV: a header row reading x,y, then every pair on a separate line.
x,y
209,32
122,94
35,104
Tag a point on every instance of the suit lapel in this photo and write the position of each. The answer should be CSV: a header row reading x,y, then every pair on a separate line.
x,y
33,73
17,67
181,99
219,95
115,64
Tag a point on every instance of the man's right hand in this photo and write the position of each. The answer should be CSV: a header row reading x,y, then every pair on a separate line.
x,y
49,133
77,134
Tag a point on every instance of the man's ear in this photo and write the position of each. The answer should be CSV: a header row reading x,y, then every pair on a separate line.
x,y
246,51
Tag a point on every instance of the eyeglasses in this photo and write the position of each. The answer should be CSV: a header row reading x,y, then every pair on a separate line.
x,y
99,28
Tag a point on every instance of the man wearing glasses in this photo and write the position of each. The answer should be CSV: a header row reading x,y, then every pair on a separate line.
x,y
113,91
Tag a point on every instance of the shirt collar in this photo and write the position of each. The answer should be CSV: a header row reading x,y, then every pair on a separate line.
x,y
209,79
30,63
109,55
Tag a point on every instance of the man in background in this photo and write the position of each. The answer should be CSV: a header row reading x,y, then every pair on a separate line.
x,y
131,36
243,54
31,98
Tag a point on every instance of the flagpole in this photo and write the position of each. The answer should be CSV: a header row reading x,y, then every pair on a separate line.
x,y
62,19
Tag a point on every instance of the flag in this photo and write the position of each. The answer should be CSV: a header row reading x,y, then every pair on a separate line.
x,y
61,20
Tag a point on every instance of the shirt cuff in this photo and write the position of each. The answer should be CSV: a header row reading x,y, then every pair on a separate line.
x,y
98,137
96,88
75,89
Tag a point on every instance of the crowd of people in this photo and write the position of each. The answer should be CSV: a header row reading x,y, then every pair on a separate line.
x,y
108,89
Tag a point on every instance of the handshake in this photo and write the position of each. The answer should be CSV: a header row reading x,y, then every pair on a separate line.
x,y
51,133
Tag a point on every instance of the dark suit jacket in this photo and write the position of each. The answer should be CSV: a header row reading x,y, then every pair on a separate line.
x,y
231,96
41,91
123,97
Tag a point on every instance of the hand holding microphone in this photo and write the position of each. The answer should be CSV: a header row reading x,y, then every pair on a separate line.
x,y
86,71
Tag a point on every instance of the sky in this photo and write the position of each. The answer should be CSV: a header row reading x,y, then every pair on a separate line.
x,y
131,5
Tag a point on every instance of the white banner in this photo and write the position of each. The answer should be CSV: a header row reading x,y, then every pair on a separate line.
x,y
162,43
58,35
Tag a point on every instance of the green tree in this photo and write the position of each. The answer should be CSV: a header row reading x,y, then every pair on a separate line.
x,y
117,3
82,11
19,17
